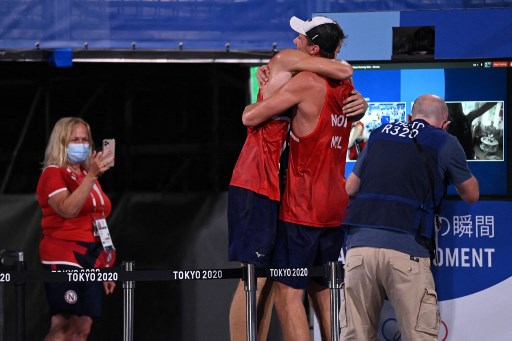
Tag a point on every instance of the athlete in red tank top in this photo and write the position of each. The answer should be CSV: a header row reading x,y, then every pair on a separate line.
x,y
257,167
317,162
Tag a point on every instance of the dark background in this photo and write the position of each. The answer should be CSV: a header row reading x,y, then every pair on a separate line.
x,y
177,126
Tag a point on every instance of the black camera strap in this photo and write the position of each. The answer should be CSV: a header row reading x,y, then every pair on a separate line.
x,y
433,242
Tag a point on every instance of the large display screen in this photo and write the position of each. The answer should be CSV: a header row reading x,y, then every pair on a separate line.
x,y
478,96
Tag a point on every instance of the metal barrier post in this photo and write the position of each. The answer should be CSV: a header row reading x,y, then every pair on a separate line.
x,y
19,265
334,286
128,303
250,302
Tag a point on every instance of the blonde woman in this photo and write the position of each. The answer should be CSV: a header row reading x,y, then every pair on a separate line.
x,y
75,233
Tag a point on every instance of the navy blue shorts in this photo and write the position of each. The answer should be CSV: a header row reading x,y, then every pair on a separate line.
x,y
78,298
300,246
252,222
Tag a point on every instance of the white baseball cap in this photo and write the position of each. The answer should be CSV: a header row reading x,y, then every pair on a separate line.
x,y
322,31
302,27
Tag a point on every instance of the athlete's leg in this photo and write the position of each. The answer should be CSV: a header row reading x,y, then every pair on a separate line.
x,y
264,304
289,306
321,302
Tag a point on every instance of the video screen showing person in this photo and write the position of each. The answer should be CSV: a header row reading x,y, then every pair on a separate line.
x,y
377,114
380,113
478,126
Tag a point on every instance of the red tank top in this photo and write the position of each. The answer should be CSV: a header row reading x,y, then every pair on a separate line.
x,y
257,168
315,188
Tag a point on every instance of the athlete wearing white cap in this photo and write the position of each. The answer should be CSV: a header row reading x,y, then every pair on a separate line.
x,y
321,31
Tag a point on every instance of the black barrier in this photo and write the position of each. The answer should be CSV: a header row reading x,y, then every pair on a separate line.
x,y
129,276
117,274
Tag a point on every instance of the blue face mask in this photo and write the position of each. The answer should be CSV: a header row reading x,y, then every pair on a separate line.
x,y
77,152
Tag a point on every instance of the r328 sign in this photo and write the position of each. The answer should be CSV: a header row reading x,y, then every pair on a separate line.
x,y
403,129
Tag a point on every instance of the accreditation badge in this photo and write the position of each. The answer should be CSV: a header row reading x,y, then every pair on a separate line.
x,y
101,230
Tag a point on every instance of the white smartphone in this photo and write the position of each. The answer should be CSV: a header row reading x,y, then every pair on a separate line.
x,y
110,144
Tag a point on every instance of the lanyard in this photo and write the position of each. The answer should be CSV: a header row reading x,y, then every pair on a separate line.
x,y
94,186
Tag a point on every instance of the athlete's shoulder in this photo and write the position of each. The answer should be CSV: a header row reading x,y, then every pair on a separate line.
x,y
289,53
286,60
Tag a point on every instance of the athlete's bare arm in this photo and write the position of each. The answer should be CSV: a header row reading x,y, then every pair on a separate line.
x,y
287,63
296,61
304,91
355,106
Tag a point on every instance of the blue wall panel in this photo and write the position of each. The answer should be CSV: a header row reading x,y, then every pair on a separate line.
x,y
466,33
209,24
459,33
369,34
